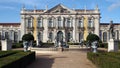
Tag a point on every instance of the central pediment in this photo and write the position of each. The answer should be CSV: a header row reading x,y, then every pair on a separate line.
x,y
60,9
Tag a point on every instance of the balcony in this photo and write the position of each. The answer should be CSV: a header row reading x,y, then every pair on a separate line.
x,y
69,28
60,27
81,28
40,28
30,28
51,27
91,28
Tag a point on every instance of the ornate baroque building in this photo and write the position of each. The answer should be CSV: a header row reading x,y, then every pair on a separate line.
x,y
59,22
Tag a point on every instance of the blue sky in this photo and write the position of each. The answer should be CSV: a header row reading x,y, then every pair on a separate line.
x,y
10,9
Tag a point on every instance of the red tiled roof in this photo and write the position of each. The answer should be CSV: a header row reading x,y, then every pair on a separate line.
x,y
9,23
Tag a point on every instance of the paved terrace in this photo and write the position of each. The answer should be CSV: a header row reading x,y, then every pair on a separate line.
x,y
66,59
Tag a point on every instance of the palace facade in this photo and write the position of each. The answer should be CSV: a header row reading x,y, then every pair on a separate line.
x,y
58,23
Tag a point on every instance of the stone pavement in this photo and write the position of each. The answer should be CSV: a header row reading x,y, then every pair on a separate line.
x,y
67,59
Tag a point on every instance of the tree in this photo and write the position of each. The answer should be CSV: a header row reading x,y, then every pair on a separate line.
x,y
28,37
27,41
92,37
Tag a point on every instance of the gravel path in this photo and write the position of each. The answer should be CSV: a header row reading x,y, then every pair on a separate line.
x,y
68,59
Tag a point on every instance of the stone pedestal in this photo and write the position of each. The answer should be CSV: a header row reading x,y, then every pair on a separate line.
x,y
112,45
6,45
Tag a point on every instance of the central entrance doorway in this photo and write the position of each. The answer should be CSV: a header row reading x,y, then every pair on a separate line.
x,y
59,36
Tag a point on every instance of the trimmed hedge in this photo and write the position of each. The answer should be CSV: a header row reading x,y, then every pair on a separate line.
x,y
17,45
73,43
103,45
18,60
105,60
6,53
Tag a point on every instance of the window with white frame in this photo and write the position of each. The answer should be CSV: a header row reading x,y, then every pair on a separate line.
x,y
40,23
59,22
6,35
104,36
68,22
50,22
80,23
117,34
0,36
50,36
91,22
40,36
29,22
15,36
80,37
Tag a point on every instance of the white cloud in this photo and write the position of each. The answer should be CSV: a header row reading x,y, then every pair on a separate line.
x,y
114,6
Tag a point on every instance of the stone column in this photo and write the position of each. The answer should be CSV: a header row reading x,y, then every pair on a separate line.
x,y
96,25
74,29
45,32
23,26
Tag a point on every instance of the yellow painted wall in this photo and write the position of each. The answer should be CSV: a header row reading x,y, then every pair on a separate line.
x,y
85,26
35,28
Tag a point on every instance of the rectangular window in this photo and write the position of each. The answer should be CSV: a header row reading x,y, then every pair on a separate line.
x,y
30,22
39,22
80,23
6,35
0,36
50,22
15,36
91,23
51,36
59,22
68,22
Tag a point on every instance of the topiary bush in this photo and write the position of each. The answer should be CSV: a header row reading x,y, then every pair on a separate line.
x,y
17,45
92,37
103,45
28,37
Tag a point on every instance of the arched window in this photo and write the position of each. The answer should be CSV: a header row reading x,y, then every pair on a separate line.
x,y
50,22
6,35
39,36
29,22
69,37
117,35
80,23
100,34
15,36
59,22
51,36
105,37
80,37
40,23
0,36
91,23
